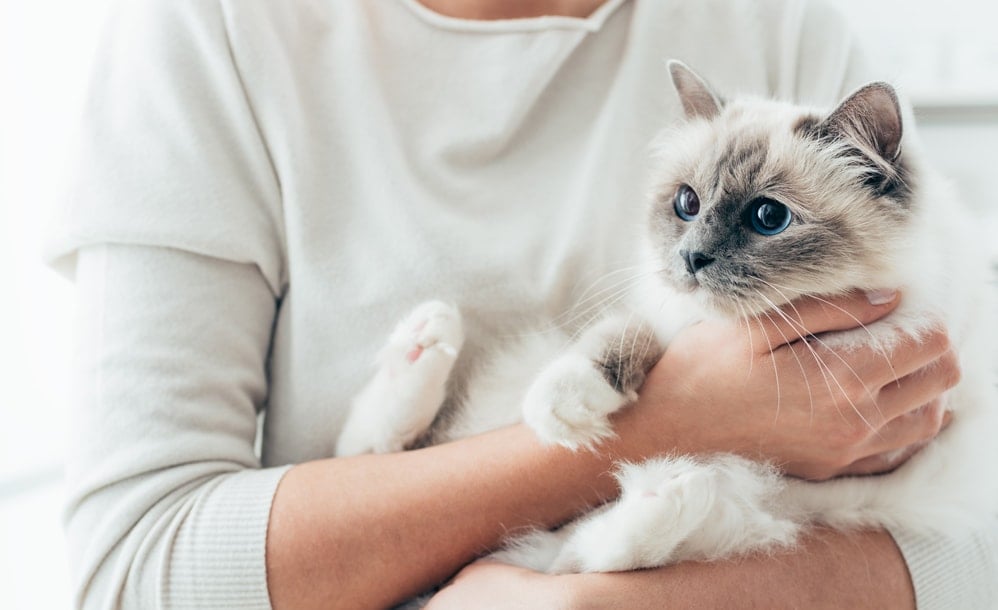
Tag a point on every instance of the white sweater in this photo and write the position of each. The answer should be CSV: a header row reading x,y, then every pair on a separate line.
x,y
264,187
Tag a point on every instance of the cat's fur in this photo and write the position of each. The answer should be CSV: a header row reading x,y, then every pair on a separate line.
x,y
866,214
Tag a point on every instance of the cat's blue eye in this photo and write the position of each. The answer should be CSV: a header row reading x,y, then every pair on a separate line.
x,y
686,203
769,217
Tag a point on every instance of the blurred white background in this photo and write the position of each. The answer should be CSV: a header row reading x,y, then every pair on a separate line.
x,y
45,50
945,54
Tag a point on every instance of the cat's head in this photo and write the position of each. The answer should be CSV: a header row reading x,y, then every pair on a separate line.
x,y
757,202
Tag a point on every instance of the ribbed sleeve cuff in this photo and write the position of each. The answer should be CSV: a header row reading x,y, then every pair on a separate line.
x,y
951,573
219,553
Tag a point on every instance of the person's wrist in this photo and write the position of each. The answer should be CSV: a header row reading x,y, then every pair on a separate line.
x,y
580,592
649,428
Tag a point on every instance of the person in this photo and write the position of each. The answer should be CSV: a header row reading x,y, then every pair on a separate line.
x,y
264,188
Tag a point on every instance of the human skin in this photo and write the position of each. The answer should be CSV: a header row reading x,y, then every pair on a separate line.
x,y
370,531
511,9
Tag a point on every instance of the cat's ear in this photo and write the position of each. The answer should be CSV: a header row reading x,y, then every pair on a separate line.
x,y
695,94
870,117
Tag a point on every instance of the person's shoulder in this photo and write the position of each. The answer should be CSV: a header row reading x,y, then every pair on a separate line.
x,y
144,26
232,13
166,12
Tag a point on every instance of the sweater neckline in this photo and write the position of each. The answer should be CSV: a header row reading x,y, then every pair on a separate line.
x,y
592,23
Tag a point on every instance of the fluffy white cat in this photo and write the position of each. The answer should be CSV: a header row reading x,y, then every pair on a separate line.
x,y
756,202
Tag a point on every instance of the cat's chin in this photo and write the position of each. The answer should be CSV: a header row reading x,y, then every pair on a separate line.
x,y
709,303
687,285
717,306
716,303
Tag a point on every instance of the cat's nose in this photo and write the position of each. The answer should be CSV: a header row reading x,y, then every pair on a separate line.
x,y
695,261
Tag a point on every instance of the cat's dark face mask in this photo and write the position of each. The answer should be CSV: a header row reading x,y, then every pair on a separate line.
x,y
760,204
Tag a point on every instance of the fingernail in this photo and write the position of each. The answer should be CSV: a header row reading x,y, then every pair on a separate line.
x,y
881,297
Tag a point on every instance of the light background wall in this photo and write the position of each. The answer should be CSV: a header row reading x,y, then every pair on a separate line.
x,y
45,50
945,57
944,53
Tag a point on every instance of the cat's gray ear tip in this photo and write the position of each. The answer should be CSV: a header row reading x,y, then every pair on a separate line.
x,y
885,87
678,68
881,87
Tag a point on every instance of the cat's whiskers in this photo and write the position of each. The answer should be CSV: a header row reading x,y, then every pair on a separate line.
x,y
776,374
585,297
799,323
877,344
593,284
800,365
600,302
623,336
650,338
823,367
798,327
743,315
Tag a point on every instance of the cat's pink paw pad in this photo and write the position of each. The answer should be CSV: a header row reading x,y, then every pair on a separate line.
x,y
414,354
433,326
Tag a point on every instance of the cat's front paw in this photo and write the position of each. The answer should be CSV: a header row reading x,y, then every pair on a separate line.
x,y
570,403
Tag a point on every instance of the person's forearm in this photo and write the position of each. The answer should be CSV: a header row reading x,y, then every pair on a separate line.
x,y
828,570
372,530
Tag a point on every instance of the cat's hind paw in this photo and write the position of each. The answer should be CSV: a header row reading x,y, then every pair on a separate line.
x,y
663,504
403,398
433,326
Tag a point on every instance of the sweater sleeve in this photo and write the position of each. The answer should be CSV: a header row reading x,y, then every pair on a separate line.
x,y
952,572
947,573
168,505
169,152
173,230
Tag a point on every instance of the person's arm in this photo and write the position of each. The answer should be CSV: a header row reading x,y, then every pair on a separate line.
x,y
173,230
168,506
828,570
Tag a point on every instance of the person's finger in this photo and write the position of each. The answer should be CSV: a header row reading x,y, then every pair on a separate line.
x,y
814,315
919,387
887,461
907,356
916,426
914,372
881,463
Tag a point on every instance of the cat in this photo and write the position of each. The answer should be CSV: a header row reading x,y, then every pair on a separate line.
x,y
756,202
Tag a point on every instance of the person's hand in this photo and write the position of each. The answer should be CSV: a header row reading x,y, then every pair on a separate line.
x,y
498,586
758,390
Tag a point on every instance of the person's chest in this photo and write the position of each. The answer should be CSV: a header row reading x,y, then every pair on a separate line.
x,y
506,175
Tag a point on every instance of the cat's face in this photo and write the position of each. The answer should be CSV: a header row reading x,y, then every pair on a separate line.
x,y
758,202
